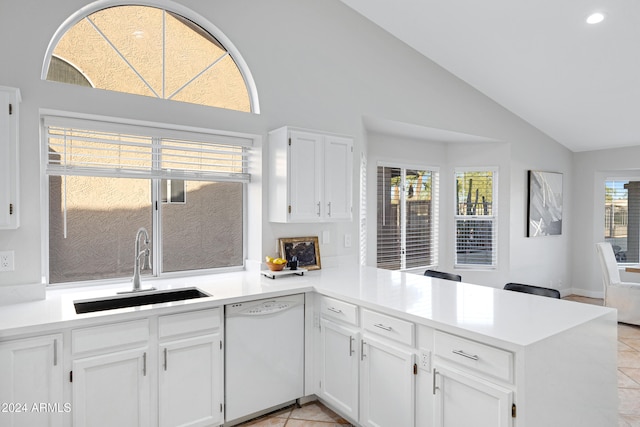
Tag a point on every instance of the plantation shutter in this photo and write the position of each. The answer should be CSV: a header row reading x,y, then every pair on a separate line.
x,y
98,148
407,218
363,209
476,218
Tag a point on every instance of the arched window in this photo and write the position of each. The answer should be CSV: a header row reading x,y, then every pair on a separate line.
x,y
151,51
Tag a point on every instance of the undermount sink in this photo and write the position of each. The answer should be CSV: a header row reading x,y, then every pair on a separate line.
x,y
137,299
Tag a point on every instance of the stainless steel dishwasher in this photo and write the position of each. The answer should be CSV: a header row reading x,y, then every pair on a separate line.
x,y
264,359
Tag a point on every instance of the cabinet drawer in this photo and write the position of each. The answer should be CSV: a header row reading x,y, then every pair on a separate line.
x,y
388,327
113,336
339,310
474,355
193,322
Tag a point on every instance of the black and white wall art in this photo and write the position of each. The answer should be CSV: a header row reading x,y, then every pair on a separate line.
x,y
545,204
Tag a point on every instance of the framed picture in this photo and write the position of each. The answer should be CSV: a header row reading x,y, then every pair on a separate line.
x,y
306,249
545,204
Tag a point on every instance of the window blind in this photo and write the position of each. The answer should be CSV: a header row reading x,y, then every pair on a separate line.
x,y
476,218
99,148
363,209
407,218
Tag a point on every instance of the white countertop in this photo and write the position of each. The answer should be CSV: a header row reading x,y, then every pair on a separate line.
x,y
502,316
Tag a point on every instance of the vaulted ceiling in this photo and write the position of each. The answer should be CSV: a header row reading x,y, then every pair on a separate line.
x,y
577,82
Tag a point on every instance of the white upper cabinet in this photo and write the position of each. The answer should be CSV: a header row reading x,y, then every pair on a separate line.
x,y
310,176
9,100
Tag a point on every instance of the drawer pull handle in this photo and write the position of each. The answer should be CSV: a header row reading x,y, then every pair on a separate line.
x,y
467,355
351,346
362,355
144,364
335,310
165,358
435,387
381,326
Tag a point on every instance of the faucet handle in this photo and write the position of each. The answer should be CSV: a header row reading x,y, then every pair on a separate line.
x,y
147,260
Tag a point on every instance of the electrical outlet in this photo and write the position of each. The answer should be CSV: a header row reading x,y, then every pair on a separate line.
x,y
6,261
425,360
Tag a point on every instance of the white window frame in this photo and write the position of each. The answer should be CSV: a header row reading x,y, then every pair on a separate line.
x,y
157,247
604,185
435,212
493,218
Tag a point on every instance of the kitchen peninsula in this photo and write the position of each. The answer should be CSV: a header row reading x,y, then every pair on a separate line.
x,y
452,352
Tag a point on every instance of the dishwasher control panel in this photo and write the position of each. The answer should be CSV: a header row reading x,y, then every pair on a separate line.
x,y
265,306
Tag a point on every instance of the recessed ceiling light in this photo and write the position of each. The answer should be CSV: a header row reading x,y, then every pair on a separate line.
x,y
595,18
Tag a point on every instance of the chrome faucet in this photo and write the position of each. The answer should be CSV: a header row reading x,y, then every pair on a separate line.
x,y
146,252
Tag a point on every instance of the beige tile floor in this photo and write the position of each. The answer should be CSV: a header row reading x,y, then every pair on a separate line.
x,y
315,414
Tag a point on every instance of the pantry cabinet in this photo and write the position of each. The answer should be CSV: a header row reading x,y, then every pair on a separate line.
x,y
310,176
31,375
9,206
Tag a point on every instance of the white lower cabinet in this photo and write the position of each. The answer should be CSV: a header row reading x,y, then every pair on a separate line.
x,y
387,391
473,383
367,377
339,357
126,374
466,400
190,382
31,375
112,389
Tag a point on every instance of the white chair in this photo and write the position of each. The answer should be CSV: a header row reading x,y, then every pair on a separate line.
x,y
623,296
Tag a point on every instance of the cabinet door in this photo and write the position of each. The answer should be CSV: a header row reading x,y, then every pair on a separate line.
x,y
464,400
31,374
338,177
387,385
9,157
112,390
305,174
339,367
190,382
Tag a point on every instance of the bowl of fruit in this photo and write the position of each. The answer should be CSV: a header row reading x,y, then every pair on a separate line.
x,y
276,264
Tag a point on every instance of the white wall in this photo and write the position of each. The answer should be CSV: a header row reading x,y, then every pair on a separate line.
x,y
318,65
591,170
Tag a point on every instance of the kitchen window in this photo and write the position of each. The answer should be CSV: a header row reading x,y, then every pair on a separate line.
x,y
150,51
108,178
407,218
476,217
622,219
